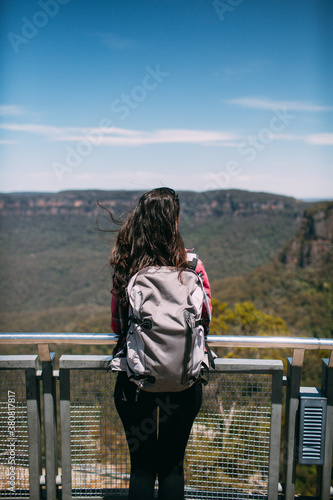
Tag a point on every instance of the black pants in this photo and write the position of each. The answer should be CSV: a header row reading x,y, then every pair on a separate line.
x,y
157,428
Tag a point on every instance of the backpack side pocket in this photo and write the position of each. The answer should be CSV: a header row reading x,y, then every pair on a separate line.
x,y
135,353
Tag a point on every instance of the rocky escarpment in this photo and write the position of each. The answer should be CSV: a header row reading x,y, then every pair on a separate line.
x,y
194,205
313,242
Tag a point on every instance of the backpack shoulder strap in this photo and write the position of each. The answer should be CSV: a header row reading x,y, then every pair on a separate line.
x,y
192,260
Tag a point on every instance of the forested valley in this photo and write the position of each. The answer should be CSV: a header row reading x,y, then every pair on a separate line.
x,y
269,259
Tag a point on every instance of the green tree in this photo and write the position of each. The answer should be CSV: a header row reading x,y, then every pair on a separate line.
x,y
245,319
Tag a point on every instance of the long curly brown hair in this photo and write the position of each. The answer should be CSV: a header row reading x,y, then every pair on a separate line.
x,y
148,237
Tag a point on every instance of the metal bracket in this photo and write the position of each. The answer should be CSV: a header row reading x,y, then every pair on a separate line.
x,y
44,352
298,357
330,362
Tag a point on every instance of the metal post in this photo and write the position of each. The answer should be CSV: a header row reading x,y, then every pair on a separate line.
x,y
324,471
275,434
65,422
50,428
34,431
289,448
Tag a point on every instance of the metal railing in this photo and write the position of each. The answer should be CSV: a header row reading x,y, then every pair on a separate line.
x,y
233,451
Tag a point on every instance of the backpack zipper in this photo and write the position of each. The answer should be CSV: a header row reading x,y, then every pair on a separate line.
x,y
187,350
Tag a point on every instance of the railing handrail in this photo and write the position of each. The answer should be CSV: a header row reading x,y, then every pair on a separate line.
x,y
262,342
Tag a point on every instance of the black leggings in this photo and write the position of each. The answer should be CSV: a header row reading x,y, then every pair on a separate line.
x,y
157,428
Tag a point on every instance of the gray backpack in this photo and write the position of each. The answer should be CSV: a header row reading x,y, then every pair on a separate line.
x,y
165,342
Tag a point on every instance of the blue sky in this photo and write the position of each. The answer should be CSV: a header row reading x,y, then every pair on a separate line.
x,y
201,95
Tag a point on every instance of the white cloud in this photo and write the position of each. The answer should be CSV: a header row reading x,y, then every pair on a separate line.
x,y
116,136
263,103
8,141
11,110
167,136
113,136
62,133
288,137
31,128
323,139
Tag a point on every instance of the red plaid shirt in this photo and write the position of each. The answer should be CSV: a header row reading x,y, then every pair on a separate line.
x,y
119,312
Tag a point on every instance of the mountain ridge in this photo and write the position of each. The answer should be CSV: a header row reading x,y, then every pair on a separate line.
x,y
53,260
84,201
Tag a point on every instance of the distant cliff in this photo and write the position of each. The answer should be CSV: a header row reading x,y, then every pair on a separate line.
x,y
314,239
193,204
66,202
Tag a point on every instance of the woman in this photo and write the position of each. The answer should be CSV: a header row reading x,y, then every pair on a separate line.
x,y
157,425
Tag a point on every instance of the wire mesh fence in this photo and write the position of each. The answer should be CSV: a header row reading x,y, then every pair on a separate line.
x,y
227,455
233,451
99,455
14,452
228,451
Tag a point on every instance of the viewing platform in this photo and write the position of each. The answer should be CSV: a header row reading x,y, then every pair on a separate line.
x,y
61,437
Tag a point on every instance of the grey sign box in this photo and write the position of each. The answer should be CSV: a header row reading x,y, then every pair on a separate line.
x,y
312,426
